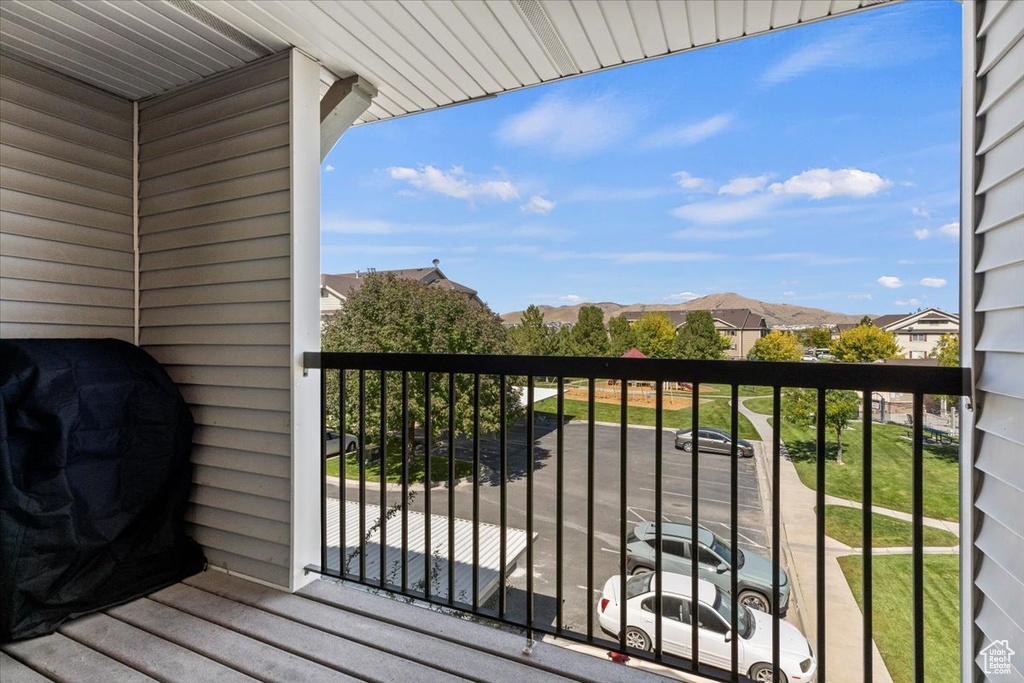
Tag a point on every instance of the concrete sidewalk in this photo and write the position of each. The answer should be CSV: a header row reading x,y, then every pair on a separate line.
x,y
844,649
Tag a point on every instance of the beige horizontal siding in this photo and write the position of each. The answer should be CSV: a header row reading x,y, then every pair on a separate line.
x,y
214,300
66,243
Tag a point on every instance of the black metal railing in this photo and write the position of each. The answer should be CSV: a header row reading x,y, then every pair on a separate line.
x,y
454,377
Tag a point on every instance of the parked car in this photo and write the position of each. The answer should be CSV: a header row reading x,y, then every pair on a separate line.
x,y
714,619
334,443
714,441
714,560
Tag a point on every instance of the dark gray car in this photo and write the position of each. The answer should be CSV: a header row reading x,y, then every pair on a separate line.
x,y
713,441
714,559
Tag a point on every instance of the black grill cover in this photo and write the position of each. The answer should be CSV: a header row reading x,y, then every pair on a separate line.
x,y
94,478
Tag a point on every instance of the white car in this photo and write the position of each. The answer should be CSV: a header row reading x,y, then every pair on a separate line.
x,y
714,617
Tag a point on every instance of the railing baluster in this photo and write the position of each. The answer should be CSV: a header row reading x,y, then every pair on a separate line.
x,y
451,488
383,477
559,507
323,469
590,509
623,471
917,507
428,483
405,481
503,496
476,492
694,524
658,521
362,475
342,478
820,535
866,519
734,539
529,501
776,528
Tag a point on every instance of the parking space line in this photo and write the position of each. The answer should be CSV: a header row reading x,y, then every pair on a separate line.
x,y
596,590
634,511
710,500
707,483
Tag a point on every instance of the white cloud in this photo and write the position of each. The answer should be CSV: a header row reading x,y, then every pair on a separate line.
x,y
890,281
682,296
689,182
572,298
719,234
949,230
920,212
454,183
820,183
539,205
789,293
568,128
906,262
690,133
907,302
933,282
744,185
328,168
725,211
866,297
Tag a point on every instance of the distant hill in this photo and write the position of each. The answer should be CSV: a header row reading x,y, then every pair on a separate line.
x,y
774,314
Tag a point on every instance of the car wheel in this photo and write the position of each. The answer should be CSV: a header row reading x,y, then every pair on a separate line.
x,y
688,446
351,448
637,639
640,570
763,673
756,601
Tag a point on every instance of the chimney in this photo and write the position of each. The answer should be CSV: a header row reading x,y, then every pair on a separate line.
x,y
437,262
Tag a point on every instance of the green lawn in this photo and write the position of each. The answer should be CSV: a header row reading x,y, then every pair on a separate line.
x,y
760,405
844,524
438,469
745,389
714,413
892,607
891,468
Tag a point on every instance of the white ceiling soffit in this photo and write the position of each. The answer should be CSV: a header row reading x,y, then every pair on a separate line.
x,y
421,54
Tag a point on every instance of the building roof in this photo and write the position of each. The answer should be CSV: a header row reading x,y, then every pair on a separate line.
x,y
884,321
929,315
634,353
736,318
347,284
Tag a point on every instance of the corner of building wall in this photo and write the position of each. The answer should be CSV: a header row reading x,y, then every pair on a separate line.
x,y
304,98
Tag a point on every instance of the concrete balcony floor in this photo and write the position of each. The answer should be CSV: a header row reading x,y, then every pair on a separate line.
x,y
214,627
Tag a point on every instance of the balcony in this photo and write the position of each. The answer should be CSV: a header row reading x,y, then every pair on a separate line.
x,y
574,490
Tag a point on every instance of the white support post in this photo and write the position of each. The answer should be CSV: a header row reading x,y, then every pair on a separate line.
x,y
305,316
344,102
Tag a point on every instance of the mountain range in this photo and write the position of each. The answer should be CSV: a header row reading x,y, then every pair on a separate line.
x,y
774,314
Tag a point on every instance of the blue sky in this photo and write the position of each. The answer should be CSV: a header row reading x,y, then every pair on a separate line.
x,y
817,166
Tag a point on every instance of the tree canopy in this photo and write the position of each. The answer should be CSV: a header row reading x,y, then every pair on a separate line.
x,y
816,337
620,334
947,350
392,315
776,346
699,340
531,337
866,344
589,336
841,407
654,335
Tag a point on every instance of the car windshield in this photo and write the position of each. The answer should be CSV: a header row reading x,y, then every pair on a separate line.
x,y
744,619
638,585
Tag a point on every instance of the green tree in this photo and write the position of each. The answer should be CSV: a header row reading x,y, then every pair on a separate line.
x,y
866,344
841,407
620,333
589,336
947,350
391,315
777,346
531,336
865,321
698,339
560,342
816,337
654,335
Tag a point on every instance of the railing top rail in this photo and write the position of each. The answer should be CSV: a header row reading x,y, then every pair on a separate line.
x,y
859,376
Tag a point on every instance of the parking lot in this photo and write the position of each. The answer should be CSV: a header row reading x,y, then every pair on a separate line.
x,y
714,507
